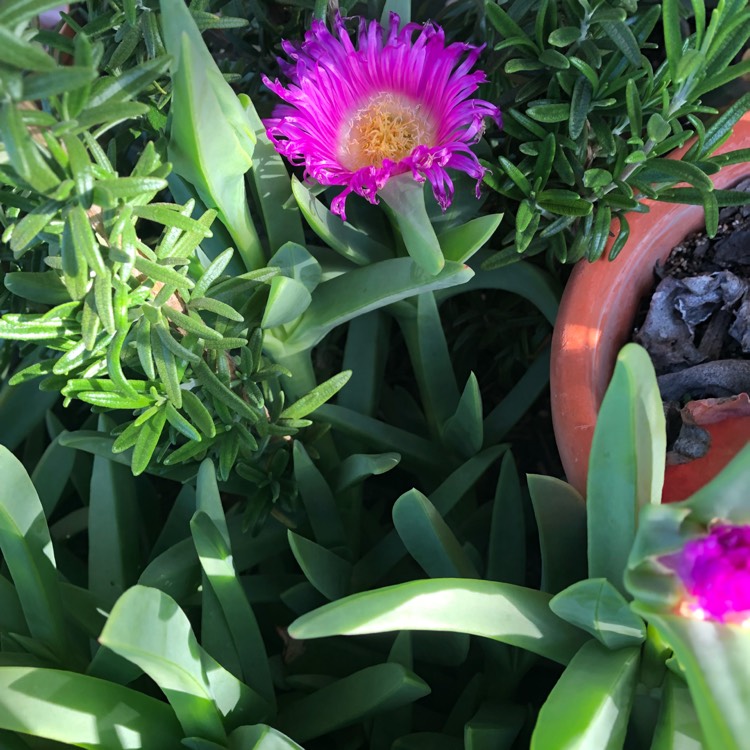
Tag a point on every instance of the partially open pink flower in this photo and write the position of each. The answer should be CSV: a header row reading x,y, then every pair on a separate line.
x,y
715,570
358,115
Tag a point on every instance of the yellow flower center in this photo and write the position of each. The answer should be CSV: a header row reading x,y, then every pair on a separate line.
x,y
388,126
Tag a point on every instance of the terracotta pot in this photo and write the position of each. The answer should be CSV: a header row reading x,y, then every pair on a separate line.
x,y
596,318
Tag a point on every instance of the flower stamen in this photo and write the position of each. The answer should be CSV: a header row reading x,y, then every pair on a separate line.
x,y
387,126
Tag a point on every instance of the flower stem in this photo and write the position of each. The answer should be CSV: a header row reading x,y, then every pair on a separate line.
x,y
405,197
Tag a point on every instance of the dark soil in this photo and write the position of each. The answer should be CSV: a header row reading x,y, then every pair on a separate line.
x,y
696,325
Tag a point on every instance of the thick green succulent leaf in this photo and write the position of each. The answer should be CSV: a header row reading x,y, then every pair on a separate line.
x,y
176,571
51,474
600,609
114,533
401,7
715,658
44,287
366,352
357,292
464,431
494,726
318,499
372,690
626,465
216,559
329,573
560,514
678,727
526,280
357,467
506,554
12,619
429,539
197,743
27,550
500,611
430,359
211,141
208,498
389,726
237,703
147,628
22,407
84,711
414,450
373,565
589,707
273,188
461,242
296,262
287,300
260,737
350,242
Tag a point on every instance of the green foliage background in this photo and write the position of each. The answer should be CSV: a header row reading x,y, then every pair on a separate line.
x,y
237,410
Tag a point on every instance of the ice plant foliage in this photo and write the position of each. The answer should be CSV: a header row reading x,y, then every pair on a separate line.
x,y
358,115
715,571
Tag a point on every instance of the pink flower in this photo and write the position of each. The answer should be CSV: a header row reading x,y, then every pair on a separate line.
x,y
358,115
715,570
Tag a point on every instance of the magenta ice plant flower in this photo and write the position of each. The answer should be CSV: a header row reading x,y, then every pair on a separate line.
x,y
715,572
357,115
